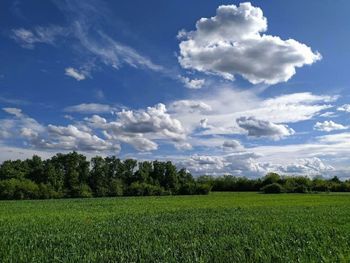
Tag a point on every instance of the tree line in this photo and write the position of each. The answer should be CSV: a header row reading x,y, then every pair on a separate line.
x,y
275,183
72,175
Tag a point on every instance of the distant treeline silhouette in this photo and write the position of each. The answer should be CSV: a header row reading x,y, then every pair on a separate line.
x,y
72,175
275,183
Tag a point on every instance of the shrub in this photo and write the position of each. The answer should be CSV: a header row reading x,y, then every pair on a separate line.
x,y
203,189
274,188
46,192
187,189
144,189
18,189
116,188
85,191
300,189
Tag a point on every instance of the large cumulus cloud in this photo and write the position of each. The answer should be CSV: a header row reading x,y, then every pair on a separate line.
x,y
232,42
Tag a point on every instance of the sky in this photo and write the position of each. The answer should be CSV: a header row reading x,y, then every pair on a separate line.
x,y
218,87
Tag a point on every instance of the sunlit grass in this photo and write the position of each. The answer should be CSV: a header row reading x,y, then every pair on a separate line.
x,y
220,227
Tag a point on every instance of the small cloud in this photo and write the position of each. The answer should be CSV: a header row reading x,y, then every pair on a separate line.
x,y
329,126
71,72
204,123
88,108
328,114
232,144
190,106
68,117
14,111
192,83
99,94
345,107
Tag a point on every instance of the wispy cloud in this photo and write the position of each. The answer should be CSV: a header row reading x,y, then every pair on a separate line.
x,y
88,108
48,35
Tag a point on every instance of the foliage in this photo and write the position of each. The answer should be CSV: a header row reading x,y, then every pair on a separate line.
x,y
274,188
290,184
72,175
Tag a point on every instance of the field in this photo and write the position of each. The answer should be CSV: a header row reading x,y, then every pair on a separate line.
x,y
220,227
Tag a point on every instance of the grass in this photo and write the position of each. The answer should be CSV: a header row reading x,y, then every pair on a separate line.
x,y
220,227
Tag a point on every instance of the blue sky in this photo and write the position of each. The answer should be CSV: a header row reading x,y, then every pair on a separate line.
x,y
218,86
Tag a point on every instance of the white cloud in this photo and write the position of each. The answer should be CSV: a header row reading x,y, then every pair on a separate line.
x,y
139,128
328,114
248,164
74,73
232,43
238,163
345,107
192,83
190,106
53,137
14,111
232,144
341,138
259,128
229,104
87,108
71,138
109,51
329,126
307,167
204,123
84,27
28,38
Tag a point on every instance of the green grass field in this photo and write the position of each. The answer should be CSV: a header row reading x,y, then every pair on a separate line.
x,y
220,227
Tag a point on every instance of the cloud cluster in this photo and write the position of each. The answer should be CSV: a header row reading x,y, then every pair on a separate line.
x,y
53,137
248,164
329,126
232,42
229,104
138,128
310,167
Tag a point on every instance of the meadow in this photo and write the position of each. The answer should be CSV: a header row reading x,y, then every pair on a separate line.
x,y
219,227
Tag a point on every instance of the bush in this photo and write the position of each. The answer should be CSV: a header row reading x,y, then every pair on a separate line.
x,y
85,191
46,192
143,189
187,189
203,189
18,189
274,188
301,189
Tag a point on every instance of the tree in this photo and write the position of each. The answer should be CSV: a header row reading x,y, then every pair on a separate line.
x,y
271,178
36,170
